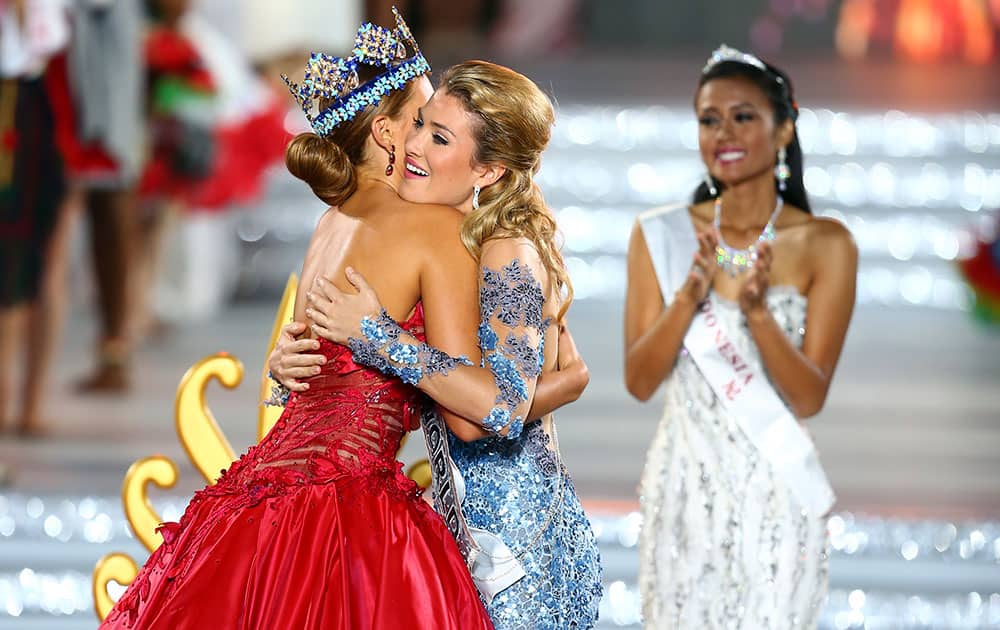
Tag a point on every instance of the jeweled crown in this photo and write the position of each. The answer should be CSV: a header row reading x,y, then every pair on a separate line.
x,y
728,53
336,78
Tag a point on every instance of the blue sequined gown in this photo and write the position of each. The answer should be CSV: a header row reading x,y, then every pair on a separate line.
x,y
516,486
520,490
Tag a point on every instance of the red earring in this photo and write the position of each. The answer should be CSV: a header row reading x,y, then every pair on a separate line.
x,y
392,160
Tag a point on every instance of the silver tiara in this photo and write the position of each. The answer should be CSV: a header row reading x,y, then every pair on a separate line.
x,y
727,53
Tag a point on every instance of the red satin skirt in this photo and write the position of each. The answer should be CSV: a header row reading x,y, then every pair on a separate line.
x,y
358,552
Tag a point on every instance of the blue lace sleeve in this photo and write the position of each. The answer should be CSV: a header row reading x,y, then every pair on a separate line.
x,y
391,350
512,338
279,393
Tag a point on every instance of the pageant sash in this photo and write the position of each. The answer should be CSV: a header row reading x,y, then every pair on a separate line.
x,y
492,564
744,392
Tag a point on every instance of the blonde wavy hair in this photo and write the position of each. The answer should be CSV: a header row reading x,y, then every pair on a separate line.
x,y
512,124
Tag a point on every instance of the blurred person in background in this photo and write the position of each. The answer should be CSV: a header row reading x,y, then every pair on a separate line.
x,y
104,156
271,32
215,129
445,26
924,31
528,28
521,28
981,269
32,194
740,302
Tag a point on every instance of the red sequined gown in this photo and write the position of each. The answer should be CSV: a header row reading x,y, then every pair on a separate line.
x,y
315,527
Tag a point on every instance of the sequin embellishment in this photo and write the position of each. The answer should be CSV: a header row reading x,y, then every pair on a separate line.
x,y
511,298
382,349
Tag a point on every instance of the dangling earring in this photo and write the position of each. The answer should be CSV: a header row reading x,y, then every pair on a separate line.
x,y
475,197
781,171
392,160
710,185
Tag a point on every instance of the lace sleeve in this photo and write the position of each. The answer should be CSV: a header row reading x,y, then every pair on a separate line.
x,y
388,348
511,336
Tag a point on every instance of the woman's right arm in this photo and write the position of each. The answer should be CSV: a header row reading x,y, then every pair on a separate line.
x,y
654,332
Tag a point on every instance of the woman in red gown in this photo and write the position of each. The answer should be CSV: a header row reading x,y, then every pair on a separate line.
x,y
316,527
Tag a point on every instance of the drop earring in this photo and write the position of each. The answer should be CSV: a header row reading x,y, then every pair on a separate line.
x,y
710,185
392,160
781,172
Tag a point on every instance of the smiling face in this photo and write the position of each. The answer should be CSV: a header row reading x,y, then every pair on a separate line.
x,y
737,135
440,162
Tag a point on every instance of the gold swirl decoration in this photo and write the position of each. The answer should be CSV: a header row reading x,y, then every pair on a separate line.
x,y
266,414
207,448
420,472
115,566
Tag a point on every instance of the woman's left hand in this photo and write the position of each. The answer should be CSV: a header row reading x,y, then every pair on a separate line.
x,y
335,314
754,289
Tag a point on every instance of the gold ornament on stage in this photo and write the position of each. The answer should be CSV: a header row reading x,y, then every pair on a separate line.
x,y
207,448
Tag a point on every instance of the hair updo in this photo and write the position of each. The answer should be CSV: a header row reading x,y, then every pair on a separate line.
x,y
328,163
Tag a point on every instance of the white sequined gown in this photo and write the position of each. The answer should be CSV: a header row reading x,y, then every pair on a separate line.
x,y
724,542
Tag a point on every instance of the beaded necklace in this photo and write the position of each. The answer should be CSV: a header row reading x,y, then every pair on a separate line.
x,y
735,261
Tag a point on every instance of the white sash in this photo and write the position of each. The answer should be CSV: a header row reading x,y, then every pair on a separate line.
x,y
744,392
492,564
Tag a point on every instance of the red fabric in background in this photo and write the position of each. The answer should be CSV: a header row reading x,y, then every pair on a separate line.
x,y
82,159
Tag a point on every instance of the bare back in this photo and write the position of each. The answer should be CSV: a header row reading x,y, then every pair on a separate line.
x,y
379,235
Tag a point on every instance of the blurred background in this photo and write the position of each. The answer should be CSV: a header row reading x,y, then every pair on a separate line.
x,y
161,227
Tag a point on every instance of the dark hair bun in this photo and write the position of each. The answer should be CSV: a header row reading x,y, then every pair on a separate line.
x,y
323,165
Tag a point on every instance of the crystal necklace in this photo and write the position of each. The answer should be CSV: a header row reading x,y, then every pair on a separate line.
x,y
735,261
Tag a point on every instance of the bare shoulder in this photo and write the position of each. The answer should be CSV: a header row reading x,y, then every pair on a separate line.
x,y
830,235
427,222
702,214
831,248
437,223
814,232
637,238
501,248
325,228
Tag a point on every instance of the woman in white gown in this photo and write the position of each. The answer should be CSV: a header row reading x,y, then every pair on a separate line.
x,y
734,500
